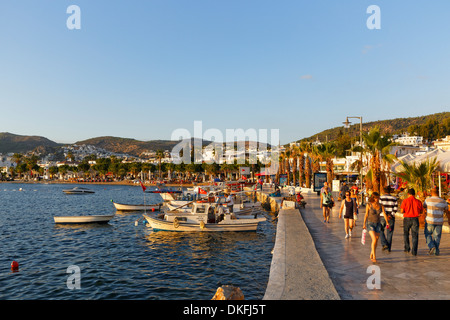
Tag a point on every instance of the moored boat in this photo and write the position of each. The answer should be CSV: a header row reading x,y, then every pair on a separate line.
x,y
78,190
207,217
83,219
136,207
166,194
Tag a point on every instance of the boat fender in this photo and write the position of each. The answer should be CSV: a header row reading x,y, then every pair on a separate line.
x,y
202,225
176,223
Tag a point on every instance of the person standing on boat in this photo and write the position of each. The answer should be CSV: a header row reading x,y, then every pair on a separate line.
x,y
230,202
220,214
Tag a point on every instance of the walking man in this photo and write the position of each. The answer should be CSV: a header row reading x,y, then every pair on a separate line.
x,y
411,209
344,189
435,208
389,203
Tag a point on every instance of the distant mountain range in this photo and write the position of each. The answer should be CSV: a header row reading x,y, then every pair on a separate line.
x,y
21,144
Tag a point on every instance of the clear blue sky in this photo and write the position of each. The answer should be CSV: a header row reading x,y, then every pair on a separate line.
x,y
141,69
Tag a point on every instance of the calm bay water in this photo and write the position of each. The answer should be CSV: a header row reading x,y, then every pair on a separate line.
x,y
119,260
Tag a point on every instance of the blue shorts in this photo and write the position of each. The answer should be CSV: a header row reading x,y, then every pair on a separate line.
x,y
374,226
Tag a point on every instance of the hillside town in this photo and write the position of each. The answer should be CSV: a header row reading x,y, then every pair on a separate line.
x,y
85,163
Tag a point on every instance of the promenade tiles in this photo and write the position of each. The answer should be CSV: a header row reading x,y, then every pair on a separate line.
x,y
403,276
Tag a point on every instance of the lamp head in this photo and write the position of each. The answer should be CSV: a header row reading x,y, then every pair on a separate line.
x,y
346,123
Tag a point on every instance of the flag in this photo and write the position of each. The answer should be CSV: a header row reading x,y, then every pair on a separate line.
x,y
142,185
201,191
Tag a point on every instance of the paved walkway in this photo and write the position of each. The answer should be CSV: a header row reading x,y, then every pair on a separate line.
x,y
297,272
403,276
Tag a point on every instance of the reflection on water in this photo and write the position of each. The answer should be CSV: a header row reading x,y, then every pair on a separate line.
x,y
119,260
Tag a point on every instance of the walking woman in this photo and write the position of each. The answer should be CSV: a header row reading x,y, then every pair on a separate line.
x,y
349,208
373,220
354,197
326,202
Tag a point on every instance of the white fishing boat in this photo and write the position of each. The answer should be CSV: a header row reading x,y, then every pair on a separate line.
x,y
78,190
166,194
206,217
179,206
83,219
136,207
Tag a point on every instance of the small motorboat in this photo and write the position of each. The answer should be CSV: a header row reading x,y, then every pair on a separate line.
x,y
83,219
202,218
78,190
136,207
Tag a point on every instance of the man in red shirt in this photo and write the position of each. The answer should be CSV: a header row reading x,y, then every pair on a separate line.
x,y
411,209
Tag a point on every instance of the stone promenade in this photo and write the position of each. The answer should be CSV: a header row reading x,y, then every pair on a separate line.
x,y
403,276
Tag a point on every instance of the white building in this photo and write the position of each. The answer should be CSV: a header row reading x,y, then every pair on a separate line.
x,y
407,140
443,144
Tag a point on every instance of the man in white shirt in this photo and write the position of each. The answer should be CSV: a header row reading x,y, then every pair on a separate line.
x,y
390,204
230,202
435,208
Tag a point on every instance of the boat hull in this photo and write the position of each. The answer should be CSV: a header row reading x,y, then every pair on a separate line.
x,y
78,190
231,225
82,219
135,207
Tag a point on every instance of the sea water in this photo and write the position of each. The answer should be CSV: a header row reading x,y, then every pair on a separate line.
x,y
118,260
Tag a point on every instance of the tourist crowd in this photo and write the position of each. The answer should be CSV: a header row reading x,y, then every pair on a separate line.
x,y
379,218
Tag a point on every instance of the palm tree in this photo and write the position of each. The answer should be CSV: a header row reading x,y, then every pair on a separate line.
x,y
378,147
32,164
159,156
287,157
301,162
295,155
418,175
308,149
327,151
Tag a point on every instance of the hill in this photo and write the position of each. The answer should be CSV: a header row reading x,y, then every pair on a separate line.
x,y
21,144
127,145
412,125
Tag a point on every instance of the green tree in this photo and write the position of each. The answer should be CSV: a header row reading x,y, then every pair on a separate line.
x,y
418,175
326,152
378,147
52,170
159,156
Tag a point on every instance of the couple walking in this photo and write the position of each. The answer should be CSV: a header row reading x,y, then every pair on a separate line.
x,y
435,208
381,212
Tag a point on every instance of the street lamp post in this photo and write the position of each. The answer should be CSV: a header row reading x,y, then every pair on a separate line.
x,y
347,125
